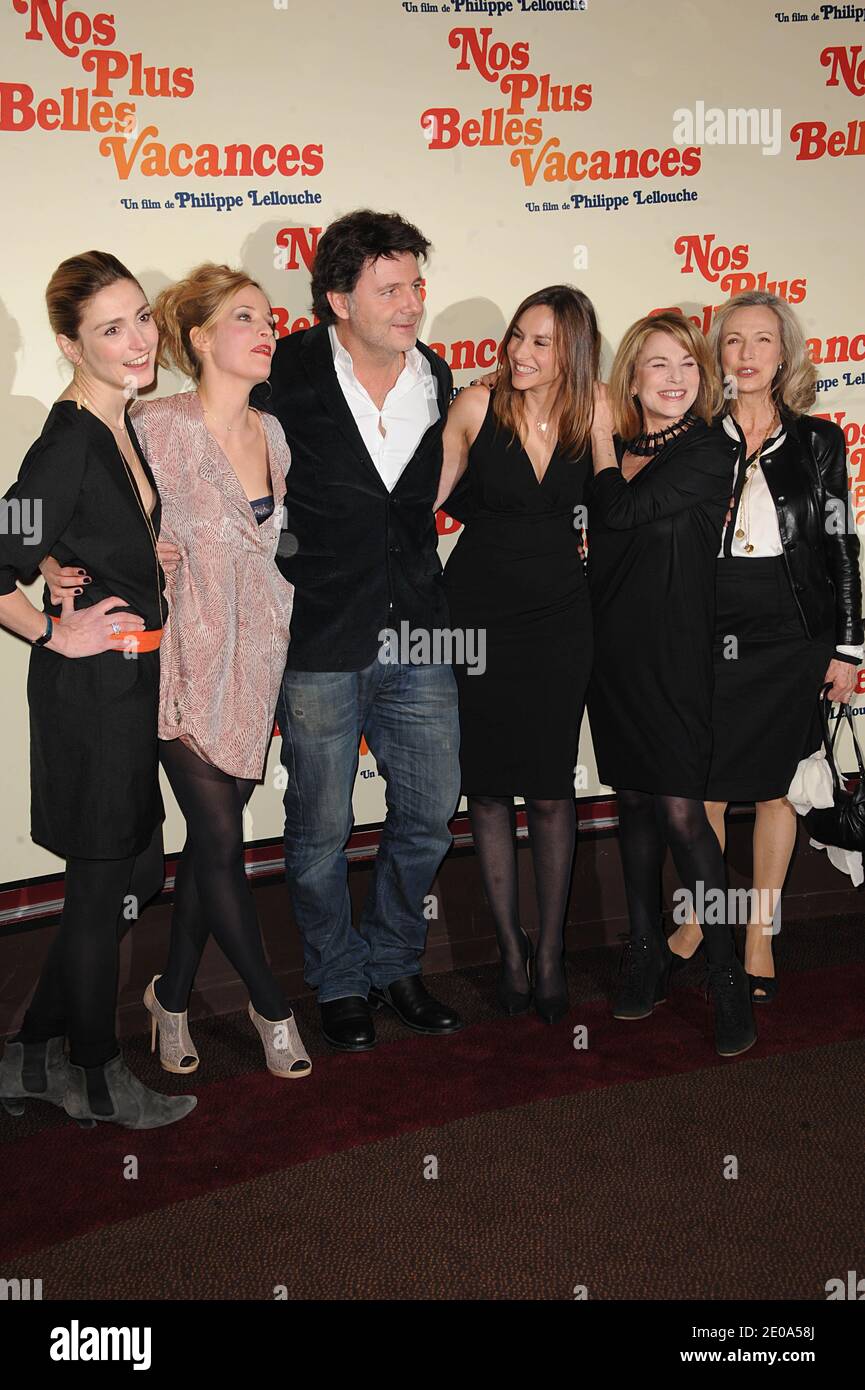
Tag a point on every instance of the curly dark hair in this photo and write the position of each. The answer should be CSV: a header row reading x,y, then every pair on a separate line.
x,y
348,244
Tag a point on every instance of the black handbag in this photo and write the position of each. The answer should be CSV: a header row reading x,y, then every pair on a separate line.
x,y
843,823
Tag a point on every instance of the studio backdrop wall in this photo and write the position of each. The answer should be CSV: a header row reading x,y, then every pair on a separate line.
x,y
654,155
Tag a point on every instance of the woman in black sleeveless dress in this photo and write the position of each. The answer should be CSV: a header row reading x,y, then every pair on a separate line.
x,y
517,591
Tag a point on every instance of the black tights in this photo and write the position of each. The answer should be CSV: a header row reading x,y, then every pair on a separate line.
x,y
648,824
552,834
211,892
77,991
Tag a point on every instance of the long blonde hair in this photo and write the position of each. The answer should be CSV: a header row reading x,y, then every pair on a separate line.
x,y
196,301
795,386
627,411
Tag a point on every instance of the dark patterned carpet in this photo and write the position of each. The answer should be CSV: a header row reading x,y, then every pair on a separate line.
x,y
500,1163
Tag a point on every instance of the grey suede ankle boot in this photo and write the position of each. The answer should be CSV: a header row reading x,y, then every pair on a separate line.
x,y
135,1105
32,1071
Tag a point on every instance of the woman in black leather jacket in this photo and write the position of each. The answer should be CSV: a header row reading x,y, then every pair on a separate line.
x,y
789,602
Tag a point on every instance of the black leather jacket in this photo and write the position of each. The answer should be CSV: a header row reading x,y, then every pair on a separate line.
x,y
807,477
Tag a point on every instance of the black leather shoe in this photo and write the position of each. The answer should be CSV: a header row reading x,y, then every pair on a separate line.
x,y
347,1023
415,1007
512,1001
552,1008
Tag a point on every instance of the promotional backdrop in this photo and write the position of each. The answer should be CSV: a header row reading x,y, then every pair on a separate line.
x,y
655,155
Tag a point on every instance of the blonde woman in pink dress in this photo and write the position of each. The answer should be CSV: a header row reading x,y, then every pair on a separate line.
x,y
220,467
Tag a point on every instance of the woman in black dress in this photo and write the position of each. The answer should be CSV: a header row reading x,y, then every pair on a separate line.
x,y
656,507
789,598
93,690
515,582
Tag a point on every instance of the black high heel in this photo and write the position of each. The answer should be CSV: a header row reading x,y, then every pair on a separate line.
x,y
769,985
553,1007
513,1001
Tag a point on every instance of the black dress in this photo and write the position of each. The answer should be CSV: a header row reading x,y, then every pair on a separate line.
x,y
93,752
515,575
652,548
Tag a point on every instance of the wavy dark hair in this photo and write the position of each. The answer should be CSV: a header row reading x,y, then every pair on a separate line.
x,y
577,344
350,243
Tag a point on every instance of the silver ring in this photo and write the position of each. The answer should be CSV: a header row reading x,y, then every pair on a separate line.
x,y
115,627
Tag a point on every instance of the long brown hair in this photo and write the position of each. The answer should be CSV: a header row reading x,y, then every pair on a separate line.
x,y
577,344
627,411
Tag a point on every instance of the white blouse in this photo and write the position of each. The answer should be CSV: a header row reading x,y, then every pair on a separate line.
x,y
763,532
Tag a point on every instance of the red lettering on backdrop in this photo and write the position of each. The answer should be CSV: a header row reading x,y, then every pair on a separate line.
x,y
725,266
815,140
302,240
847,64
67,32
92,109
488,60
506,65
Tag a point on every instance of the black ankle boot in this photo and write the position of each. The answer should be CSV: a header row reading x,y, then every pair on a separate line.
x,y
735,1030
644,976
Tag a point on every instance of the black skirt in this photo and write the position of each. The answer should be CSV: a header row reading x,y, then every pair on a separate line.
x,y
768,676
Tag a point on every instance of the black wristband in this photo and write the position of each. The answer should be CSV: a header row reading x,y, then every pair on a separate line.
x,y
47,634
845,656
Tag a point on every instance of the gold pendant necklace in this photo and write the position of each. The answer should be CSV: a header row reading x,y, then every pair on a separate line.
x,y
743,529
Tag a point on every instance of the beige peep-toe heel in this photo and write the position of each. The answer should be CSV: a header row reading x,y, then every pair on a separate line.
x,y
176,1049
284,1052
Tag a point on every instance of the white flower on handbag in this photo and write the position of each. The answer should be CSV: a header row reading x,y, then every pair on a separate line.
x,y
812,787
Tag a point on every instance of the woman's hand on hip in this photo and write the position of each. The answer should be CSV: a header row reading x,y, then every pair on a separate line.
x,y
92,630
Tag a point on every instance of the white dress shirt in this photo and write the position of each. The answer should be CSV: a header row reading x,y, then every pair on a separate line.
x,y
763,531
392,434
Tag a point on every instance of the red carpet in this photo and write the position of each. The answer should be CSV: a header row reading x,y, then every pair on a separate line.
x,y
70,1182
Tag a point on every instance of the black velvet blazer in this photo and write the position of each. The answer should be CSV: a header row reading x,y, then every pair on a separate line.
x,y
361,558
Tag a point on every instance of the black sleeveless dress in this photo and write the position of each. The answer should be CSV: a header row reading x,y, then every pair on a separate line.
x,y
515,576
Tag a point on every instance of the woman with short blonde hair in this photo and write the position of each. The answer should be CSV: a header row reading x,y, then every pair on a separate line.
x,y
662,476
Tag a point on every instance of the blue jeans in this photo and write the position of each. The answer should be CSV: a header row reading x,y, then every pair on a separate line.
x,y
409,717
